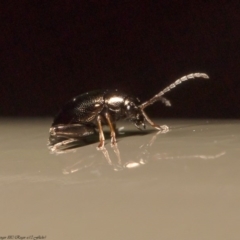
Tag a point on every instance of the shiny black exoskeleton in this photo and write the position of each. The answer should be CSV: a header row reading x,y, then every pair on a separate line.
x,y
87,113
85,109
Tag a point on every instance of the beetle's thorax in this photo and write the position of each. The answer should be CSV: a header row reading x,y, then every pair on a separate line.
x,y
113,104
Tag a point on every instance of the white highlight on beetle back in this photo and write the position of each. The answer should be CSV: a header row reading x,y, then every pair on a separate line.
x,y
114,100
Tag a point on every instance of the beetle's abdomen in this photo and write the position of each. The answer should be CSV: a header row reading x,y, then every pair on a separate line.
x,y
81,109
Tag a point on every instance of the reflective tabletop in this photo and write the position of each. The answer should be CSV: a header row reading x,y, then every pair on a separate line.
x,y
183,184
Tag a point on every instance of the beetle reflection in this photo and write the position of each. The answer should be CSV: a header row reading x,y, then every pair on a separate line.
x,y
111,158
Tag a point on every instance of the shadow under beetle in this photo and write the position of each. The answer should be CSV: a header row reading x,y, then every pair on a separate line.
x,y
87,113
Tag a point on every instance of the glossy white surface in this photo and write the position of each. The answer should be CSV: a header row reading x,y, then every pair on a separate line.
x,y
184,184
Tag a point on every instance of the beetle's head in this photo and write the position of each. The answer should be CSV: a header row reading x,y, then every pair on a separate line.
x,y
133,112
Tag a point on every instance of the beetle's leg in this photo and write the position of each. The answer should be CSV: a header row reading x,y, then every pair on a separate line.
x,y
114,127
111,125
163,128
62,136
101,134
71,130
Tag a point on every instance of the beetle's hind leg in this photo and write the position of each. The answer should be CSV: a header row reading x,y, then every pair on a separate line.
x,y
163,128
71,130
62,136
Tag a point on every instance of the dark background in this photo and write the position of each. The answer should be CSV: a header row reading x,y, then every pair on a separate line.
x,y
54,50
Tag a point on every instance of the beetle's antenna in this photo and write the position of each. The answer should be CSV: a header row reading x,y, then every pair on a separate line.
x,y
158,96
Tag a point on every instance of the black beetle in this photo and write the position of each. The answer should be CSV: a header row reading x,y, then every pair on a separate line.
x,y
85,114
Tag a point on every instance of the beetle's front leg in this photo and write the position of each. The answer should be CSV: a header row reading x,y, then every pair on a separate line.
x,y
101,134
163,128
112,126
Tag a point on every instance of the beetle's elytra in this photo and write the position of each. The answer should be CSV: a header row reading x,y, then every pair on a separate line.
x,y
87,113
